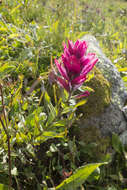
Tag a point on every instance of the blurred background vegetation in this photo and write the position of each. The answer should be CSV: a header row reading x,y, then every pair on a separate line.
x,y
33,31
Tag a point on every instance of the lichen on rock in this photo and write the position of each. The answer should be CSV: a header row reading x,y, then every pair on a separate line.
x,y
104,109
99,98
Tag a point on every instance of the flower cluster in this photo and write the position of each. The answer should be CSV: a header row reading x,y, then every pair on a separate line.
x,y
74,65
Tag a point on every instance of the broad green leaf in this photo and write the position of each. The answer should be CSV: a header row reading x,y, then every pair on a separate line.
x,y
79,177
94,176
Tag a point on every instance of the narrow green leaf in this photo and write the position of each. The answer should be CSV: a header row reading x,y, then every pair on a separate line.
x,y
59,123
52,114
14,9
49,135
6,69
123,69
80,103
85,88
66,110
47,98
14,35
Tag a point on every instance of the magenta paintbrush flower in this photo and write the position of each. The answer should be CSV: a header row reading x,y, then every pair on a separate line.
x,y
74,65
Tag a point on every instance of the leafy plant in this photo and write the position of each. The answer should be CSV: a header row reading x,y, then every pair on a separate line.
x,y
78,178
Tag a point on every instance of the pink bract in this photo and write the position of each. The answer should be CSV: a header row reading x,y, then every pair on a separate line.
x,y
74,65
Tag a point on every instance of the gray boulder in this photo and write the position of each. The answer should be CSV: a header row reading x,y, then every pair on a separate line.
x,y
125,111
111,119
123,138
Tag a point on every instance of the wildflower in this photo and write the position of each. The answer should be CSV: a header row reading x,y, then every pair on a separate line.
x,y
74,65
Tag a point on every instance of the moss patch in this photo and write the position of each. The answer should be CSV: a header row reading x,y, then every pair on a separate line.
x,y
100,98
92,135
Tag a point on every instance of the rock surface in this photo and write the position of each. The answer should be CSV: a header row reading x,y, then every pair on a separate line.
x,y
112,119
123,138
125,111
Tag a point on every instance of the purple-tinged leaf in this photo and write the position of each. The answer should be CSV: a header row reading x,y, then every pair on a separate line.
x,y
84,94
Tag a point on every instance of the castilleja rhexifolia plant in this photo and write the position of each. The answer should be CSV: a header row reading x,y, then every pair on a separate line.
x,y
73,66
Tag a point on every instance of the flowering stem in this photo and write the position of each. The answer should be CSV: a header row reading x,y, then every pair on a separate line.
x,y
70,94
5,128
